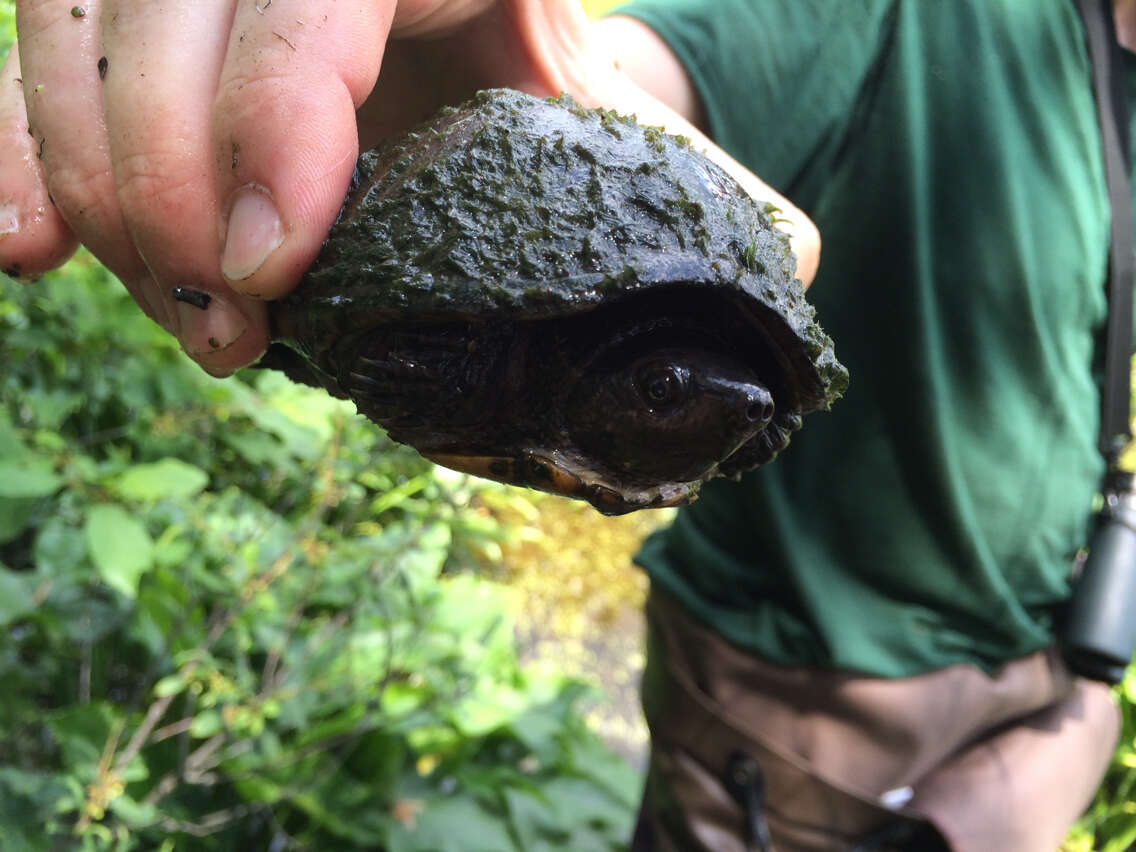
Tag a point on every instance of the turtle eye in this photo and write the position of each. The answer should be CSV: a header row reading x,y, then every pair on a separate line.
x,y
662,387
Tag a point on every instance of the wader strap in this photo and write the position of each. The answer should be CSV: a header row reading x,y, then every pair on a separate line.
x,y
1112,114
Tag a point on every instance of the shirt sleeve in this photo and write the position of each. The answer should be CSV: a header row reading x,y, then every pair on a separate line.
x,y
781,80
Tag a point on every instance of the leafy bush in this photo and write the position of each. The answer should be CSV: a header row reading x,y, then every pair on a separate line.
x,y
233,613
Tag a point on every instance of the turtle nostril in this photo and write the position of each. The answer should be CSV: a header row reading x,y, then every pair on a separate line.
x,y
759,412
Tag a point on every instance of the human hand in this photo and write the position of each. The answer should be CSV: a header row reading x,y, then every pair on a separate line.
x,y
208,147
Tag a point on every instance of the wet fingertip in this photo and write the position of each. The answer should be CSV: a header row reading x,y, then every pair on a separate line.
x,y
223,362
215,372
16,272
9,219
207,324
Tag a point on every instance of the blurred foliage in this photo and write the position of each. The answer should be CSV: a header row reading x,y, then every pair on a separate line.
x,y
595,8
579,604
234,613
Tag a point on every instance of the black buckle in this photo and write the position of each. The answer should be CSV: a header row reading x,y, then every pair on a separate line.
x,y
904,836
746,784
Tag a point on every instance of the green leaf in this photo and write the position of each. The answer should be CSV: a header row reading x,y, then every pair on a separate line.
x,y
59,549
15,515
537,823
205,724
17,596
169,478
300,440
487,708
27,801
260,789
119,546
455,824
169,685
10,444
170,550
258,448
81,732
135,814
422,561
1122,839
28,477
587,804
605,771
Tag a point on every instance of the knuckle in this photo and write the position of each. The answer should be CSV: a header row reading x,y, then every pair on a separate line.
x,y
35,17
243,98
154,180
81,193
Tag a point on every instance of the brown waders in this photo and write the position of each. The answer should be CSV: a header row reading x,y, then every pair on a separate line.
x,y
747,756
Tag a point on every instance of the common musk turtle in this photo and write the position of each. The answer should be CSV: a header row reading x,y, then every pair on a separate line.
x,y
557,297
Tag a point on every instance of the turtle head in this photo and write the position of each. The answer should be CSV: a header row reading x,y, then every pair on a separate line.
x,y
668,414
639,430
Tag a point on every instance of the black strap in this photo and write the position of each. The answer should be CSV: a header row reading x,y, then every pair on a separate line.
x,y
745,782
1112,114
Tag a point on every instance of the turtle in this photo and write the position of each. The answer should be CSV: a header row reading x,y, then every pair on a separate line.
x,y
557,297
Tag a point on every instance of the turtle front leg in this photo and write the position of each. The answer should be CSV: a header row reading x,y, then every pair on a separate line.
x,y
421,378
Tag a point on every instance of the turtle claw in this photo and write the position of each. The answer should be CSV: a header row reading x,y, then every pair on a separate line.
x,y
399,368
378,399
358,382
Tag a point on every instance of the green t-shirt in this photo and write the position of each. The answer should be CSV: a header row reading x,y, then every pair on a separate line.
x,y
949,153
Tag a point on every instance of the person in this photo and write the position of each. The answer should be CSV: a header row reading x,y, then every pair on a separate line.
x,y
854,646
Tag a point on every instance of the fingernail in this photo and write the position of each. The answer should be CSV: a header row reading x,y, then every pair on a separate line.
x,y
254,232
9,219
204,330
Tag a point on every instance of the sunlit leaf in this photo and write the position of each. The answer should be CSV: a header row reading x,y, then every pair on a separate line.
x,y
166,479
29,477
169,685
119,545
205,724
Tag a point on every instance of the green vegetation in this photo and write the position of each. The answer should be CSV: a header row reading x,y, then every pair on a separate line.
x,y
235,613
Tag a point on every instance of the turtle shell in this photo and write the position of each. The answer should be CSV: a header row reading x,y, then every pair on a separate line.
x,y
510,212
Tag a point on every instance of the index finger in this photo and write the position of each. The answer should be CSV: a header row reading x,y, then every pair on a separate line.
x,y
284,131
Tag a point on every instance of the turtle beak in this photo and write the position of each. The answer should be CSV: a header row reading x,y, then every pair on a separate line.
x,y
749,406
